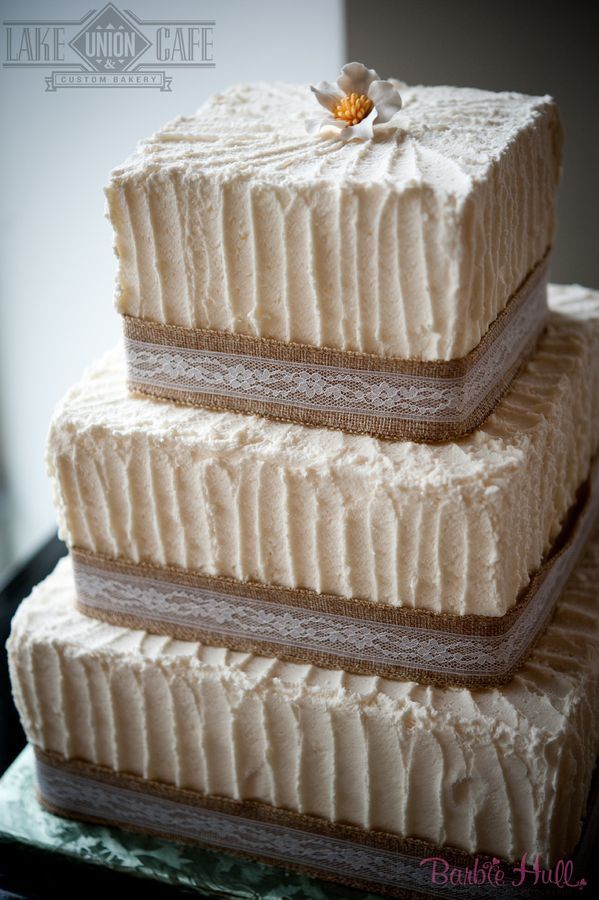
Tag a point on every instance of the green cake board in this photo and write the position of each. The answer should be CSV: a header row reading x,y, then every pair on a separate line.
x,y
24,822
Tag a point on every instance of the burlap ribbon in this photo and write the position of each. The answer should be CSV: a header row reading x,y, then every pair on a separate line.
x,y
386,397
361,858
330,631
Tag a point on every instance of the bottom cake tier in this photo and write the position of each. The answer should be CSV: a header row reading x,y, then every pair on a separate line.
x,y
344,776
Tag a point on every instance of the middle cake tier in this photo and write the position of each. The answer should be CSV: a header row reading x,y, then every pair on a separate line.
x,y
438,564
452,528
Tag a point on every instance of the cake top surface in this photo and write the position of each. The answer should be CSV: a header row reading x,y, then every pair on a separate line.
x,y
101,401
443,137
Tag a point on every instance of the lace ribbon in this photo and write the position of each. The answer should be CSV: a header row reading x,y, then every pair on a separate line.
x,y
355,392
371,860
331,631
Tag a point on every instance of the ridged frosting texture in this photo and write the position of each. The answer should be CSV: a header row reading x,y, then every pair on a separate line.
x,y
503,771
407,245
455,527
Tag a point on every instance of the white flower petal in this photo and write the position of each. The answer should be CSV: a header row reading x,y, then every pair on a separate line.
x,y
315,125
327,94
386,98
363,130
356,77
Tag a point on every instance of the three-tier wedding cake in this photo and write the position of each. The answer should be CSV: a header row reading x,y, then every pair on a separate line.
x,y
328,602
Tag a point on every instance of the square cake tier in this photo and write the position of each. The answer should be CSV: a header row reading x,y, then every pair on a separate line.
x,y
455,527
408,245
499,771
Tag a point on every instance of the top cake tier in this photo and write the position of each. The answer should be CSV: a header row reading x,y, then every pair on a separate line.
x,y
409,244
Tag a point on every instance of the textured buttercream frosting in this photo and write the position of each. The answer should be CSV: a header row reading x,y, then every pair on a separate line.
x,y
503,771
455,527
409,244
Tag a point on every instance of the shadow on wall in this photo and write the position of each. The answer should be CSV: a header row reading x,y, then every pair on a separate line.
x,y
6,550
533,47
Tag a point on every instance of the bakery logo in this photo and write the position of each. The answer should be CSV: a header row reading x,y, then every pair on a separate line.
x,y
492,874
107,49
110,43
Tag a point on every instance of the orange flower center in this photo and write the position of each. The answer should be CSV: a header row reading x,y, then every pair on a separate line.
x,y
353,108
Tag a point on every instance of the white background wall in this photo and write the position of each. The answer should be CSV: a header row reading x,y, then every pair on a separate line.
x,y
56,261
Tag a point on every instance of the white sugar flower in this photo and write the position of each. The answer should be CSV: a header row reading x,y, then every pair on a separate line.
x,y
358,101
